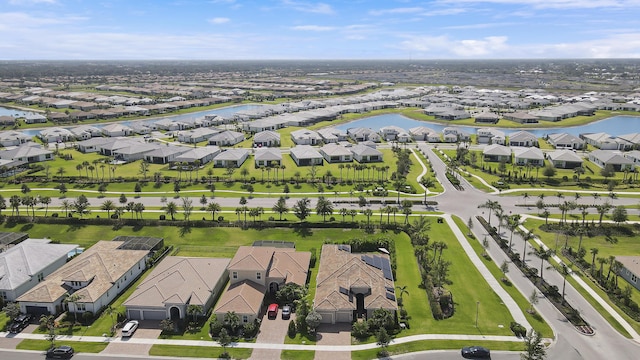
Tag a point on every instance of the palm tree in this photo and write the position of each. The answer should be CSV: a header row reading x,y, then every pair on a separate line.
x,y
594,251
73,299
281,207
491,205
512,224
526,236
171,209
565,270
401,291
368,213
108,206
324,207
213,208
544,255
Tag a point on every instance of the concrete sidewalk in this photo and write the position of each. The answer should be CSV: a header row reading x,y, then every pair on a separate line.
x,y
205,343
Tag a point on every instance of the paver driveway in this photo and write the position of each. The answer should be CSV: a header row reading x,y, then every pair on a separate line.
x,y
146,330
272,331
337,334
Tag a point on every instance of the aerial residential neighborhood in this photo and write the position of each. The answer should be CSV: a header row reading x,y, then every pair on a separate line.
x,y
317,216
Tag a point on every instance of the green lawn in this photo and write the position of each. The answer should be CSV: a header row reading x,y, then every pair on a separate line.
x,y
467,286
197,351
79,347
4,321
425,345
625,246
297,355
536,321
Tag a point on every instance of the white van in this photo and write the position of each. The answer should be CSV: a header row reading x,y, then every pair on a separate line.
x,y
129,328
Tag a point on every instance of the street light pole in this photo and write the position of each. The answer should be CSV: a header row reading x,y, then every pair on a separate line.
x,y
477,307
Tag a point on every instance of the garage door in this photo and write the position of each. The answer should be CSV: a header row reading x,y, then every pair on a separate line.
x,y
154,315
344,316
37,311
133,314
327,318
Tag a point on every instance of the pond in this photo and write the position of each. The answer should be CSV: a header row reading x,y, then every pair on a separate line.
x,y
617,125
221,111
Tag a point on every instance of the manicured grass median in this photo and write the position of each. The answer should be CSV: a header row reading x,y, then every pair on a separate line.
x,y
43,345
197,351
297,355
435,345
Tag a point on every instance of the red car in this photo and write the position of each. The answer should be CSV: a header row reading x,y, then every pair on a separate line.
x,y
272,311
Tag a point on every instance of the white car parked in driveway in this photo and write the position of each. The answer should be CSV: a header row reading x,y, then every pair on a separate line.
x,y
129,328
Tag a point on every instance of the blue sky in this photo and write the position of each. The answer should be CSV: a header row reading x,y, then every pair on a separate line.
x,y
298,29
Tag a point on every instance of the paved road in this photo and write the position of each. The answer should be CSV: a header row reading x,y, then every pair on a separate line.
x,y
39,355
606,344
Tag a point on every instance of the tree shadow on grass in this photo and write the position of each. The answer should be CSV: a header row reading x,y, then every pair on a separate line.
x,y
26,227
184,230
303,231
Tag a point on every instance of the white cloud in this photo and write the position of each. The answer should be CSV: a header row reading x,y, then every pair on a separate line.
x,y
478,26
556,4
29,2
313,28
219,20
17,20
406,10
316,8
491,46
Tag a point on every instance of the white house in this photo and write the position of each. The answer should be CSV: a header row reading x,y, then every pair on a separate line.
x,y
13,138
306,137
266,138
565,159
523,138
226,138
614,158
497,153
305,155
97,276
164,154
565,141
334,153
231,158
196,135
28,153
55,134
528,156
267,157
26,264
365,154
114,130
203,155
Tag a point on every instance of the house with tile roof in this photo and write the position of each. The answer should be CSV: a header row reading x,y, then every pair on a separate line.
x,y
366,154
266,138
174,284
305,155
231,158
630,269
523,138
13,138
97,276
564,159
26,264
203,154
497,153
528,156
165,154
614,158
27,153
256,270
267,157
566,141
351,285
226,138
335,153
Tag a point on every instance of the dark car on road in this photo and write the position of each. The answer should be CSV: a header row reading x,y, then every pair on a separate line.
x,y
61,352
475,352
19,323
286,312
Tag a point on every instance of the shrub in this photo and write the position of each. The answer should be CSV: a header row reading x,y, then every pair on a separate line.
x,y
163,217
250,330
55,215
360,330
215,327
220,218
518,330
291,331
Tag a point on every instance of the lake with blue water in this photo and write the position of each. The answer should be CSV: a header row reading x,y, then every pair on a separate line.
x,y
221,111
617,125
14,112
